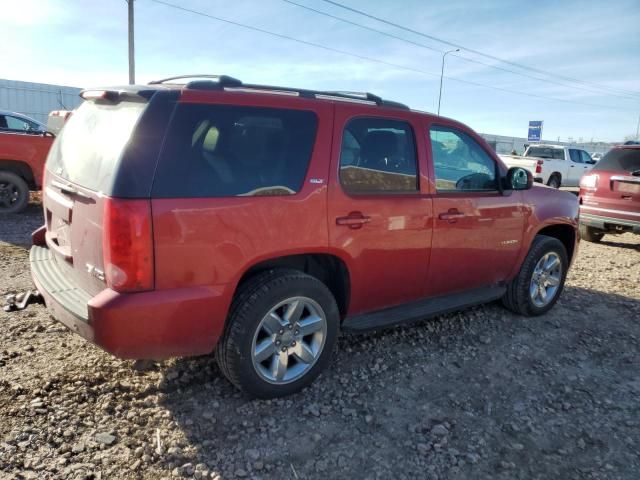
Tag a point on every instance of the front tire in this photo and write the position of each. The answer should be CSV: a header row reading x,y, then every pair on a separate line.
x,y
14,193
541,279
590,234
281,330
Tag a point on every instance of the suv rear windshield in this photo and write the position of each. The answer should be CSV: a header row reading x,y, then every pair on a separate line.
x,y
620,159
221,151
545,152
92,141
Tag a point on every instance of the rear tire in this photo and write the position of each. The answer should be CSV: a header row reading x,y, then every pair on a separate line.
x,y
524,292
14,193
554,181
266,358
590,234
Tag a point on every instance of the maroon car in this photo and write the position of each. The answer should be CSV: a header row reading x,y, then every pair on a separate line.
x,y
610,195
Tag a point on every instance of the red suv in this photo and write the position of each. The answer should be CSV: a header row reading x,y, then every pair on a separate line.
x,y
260,221
610,195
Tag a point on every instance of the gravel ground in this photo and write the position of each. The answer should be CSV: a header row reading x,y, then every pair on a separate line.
x,y
478,394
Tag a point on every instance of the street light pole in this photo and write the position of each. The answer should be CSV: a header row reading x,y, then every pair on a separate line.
x,y
132,59
442,75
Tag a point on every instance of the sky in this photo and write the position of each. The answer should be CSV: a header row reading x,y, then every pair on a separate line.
x,y
591,49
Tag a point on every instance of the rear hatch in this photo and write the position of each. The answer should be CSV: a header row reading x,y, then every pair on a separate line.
x,y
612,187
80,177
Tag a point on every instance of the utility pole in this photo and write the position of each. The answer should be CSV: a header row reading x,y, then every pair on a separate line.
x,y
132,59
442,75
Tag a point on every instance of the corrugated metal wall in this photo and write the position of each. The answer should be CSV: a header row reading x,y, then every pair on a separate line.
x,y
36,100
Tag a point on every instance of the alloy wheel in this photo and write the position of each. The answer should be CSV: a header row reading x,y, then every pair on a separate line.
x,y
546,279
289,340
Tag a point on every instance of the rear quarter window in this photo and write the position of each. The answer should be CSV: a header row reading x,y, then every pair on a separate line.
x,y
223,151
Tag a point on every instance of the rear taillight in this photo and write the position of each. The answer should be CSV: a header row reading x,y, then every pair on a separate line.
x,y
127,245
589,181
539,166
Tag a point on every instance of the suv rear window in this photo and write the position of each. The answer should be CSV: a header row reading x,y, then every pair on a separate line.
x,y
89,146
221,151
620,159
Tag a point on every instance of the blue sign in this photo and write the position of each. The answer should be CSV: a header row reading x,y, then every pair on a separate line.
x,y
535,131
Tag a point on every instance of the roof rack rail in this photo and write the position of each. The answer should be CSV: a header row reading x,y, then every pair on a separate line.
x,y
225,81
357,96
364,95
222,80
367,96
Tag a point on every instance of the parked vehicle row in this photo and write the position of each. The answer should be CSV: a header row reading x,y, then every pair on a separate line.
x,y
553,165
261,221
610,195
24,145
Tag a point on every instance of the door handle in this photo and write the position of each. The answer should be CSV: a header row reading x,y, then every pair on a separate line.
x,y
452,215
353,220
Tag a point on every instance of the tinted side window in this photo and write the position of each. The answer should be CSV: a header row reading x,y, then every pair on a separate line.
x,y
18,124
221,151
460,163
586,158
575,156
378,155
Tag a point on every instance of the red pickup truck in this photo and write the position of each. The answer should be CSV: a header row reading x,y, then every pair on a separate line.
x,y
24,145
261,221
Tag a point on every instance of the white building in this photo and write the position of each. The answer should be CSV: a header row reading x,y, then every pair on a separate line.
x,y
36,100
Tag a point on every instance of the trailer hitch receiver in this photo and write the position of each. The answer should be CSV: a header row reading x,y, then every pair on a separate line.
x,y
19,301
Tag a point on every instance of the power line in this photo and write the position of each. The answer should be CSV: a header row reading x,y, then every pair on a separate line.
x,y
370,59
421,45
470,50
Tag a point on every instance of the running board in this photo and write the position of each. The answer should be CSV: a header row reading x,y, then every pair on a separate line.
x,y
422,309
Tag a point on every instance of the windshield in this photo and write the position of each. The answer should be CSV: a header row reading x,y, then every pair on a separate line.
x,y
620,159
545,152
88,148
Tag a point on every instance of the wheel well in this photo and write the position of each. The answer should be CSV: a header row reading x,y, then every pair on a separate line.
x,y
565,233
329,269
556,174
21,169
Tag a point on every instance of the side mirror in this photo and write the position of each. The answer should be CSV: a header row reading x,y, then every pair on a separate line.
x,y
519,178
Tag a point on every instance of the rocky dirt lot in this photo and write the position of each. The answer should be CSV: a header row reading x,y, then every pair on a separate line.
x,y
479,394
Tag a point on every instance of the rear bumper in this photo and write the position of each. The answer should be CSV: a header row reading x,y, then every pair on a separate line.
x,y
150,325
607,222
